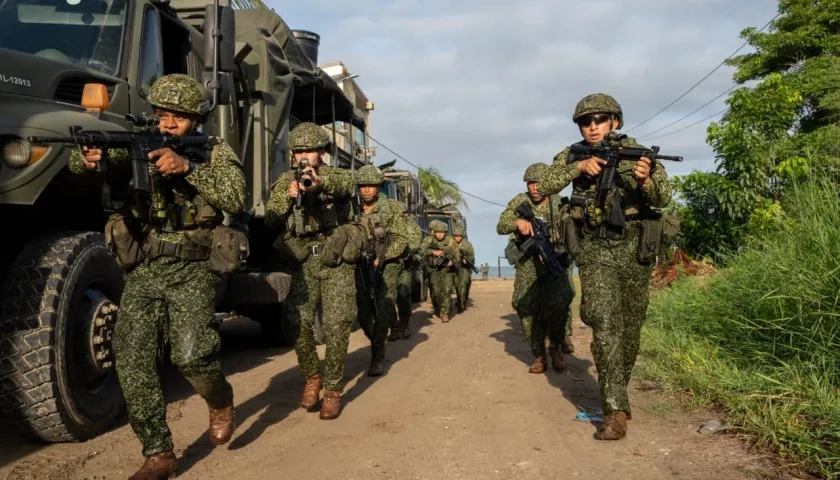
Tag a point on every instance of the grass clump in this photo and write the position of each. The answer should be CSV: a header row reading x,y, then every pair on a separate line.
x,y
760,338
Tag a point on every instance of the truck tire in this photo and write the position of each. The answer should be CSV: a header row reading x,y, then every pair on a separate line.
x,y
57,312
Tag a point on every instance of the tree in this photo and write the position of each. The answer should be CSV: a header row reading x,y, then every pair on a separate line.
x,y
439,190
773,132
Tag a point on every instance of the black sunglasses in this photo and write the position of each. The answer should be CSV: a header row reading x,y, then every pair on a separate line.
x,y
598,118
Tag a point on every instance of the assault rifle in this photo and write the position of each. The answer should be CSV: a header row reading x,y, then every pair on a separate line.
x,y
468,263
371,271
540,242
300,177
614,153
143,139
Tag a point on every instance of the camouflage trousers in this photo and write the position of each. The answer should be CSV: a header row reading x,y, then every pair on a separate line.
x,y
542,303
614,300
335,288
378,314
405,282
442,290
167,300
463,280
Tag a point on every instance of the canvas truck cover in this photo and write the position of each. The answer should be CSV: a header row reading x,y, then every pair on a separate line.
x,y
285,78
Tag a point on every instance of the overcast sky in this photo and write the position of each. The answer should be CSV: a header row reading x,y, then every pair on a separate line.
x,y
482,89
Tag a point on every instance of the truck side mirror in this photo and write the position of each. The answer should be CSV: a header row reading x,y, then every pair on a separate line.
x,y
223,49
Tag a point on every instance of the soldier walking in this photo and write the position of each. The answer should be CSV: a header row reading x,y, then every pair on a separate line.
x,y
409,263
442,258
463,277
387,241
312,205
164,246
541,301
614,283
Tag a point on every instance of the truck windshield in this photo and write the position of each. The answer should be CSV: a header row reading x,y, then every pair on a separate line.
x,y
84,33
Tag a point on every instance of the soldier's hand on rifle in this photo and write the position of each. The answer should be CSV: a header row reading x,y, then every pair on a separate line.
x,y
524,227
313,175
293,190
642,171
169,162
449,264
437,253
90,156
375,263
591,166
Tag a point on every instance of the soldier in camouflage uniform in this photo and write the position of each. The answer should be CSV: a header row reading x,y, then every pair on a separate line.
x,y
315,227
485,270
409,262
541,301
169,291
614,284
388,236
441,277
463,277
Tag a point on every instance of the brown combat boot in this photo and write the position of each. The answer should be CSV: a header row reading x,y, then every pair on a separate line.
x,y
331,406
613,428
222,423
311,391
160,466
568,346
538,366
444,317
406,330
557,362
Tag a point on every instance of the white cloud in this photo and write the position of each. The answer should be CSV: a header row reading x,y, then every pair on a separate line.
x,y
483,88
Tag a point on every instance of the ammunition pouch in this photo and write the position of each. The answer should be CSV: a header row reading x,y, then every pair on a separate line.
x,y
571,232
291,248
656,232
513,253
228,250
122,242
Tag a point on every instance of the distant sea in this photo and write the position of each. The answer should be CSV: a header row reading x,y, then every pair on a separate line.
x,y
507,271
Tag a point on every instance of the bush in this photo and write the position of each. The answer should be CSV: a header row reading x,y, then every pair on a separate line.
x,y
761,337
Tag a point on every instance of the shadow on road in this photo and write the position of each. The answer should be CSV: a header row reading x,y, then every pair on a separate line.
x,y
576,384
283,393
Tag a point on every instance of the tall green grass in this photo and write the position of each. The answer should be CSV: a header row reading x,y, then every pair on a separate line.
x,y
761,338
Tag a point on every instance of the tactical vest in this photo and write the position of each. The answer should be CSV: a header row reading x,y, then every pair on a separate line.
x,y
376,224
591,217
320,214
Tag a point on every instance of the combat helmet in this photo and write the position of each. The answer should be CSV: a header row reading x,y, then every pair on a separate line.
x,y
179,93
308,136
598,103
458,231
438,226
534,172
368,175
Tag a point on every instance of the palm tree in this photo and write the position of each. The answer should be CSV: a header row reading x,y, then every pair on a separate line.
x,y
439,190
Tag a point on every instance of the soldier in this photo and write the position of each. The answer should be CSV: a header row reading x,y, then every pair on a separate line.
x,y
463,277
388,238
485,271
614,283
170,287
442,258
405,281
312,205
541,301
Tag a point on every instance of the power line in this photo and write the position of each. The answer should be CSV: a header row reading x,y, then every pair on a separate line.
x,y
689,126
690,114
702,79
418,169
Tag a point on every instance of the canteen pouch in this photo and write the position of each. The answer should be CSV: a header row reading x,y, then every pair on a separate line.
x,y
670,229
291,249
513,253
355,240
650,240
122,243
228,250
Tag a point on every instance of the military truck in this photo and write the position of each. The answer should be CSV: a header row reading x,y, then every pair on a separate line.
x,y
61,288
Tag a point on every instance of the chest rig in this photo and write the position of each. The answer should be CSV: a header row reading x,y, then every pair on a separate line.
x,y
319,214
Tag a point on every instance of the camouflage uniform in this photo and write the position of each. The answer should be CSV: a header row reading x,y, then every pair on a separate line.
x,y
485,271
441,280
614,284
383,217
463,277
168,297
405,280
541,301
323,214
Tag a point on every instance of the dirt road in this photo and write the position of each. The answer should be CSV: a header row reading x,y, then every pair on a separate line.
x,y
456,402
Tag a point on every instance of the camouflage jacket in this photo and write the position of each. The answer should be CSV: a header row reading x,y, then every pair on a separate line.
x,y
388,212
331,199
448,245
220,182
507,220
466,250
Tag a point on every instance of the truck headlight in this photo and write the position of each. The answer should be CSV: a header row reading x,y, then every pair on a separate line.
x,y
19,153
